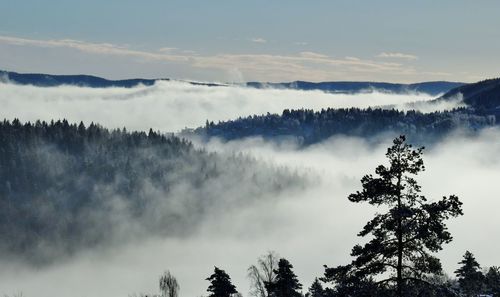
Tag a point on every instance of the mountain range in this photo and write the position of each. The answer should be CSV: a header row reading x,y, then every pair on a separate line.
x,y
433,88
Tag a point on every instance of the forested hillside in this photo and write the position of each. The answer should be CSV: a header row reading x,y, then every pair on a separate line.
x,y
310,127
66,186
482,110
484,95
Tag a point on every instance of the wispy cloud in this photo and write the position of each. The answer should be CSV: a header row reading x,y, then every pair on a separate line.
x,y
258,40
167,49
397,56
308,65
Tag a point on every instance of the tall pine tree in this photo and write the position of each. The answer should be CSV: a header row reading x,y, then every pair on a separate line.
x,y
403,239
469,275
220,284
286,283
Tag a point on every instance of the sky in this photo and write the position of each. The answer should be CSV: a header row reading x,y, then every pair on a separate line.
x,y
260,40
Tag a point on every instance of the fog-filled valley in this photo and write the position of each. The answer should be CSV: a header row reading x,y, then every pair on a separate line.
x,y
170,106
107,211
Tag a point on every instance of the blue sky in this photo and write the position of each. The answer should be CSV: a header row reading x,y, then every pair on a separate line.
x,y
231,40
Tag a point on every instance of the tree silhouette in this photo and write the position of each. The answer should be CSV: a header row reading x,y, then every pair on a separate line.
x,y
286,283
263,273
316,289
404,237
492,281
469,275
169,287
220,284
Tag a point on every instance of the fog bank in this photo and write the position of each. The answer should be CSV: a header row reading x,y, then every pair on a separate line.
x,y
311,228
170,106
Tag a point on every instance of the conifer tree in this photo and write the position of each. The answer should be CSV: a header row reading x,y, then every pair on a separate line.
x,y
403,239
286,283
220,284
469,275
492,281
316,289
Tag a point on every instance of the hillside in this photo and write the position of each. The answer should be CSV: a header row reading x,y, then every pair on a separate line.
x,y
66,187
308,126
481,95
432,88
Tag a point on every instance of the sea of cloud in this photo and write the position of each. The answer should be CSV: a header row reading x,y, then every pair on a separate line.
x,y
170,106
310,227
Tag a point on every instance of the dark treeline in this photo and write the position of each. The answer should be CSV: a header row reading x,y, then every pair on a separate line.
x,y
65,186
275,278
310,127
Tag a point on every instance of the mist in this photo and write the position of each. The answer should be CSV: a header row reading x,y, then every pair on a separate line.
x,y
170,106
310,226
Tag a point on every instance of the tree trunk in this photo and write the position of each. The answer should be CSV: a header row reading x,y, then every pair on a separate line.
x,y
400,245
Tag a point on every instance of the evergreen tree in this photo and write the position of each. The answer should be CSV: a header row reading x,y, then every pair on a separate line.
x,y
220,284
469,275
286,283
316,289
492,281
404,237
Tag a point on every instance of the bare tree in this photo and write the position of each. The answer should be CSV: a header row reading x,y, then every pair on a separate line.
x,y
263,273
168,285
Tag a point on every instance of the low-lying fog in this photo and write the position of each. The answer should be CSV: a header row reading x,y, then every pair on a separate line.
x,y
170,106
312,227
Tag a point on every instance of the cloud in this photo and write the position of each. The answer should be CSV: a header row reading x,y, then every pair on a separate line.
x,y
352,58
167,49
397,56
313,55
258,40
311,227
172,106
119,60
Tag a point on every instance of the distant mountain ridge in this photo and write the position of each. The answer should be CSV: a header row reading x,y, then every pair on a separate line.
x,y
432,88
48,80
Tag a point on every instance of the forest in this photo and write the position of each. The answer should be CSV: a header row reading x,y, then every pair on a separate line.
x,y
308,126
66,187
481,110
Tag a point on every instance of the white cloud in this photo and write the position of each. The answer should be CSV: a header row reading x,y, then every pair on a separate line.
x,y
258,40
312,227
170,105
397,56
185,64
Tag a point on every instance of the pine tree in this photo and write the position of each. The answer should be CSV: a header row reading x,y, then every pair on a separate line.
x,y
469,275
286,283
492,281
220,284
404,237
316,289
